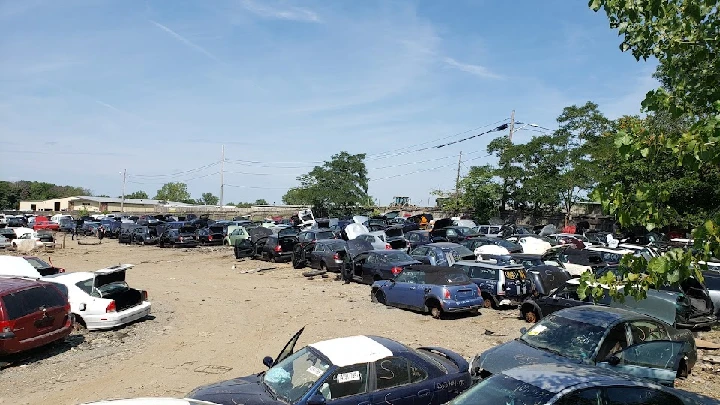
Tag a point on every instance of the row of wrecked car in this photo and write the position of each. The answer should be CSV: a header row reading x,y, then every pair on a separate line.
x,y
41,304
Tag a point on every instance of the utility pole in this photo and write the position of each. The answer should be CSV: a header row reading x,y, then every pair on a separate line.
x,y
122,201
222,169
457,185
512,125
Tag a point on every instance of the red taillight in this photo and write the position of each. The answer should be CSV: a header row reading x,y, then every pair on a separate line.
x,y
336,256
144,295
388,247
446,293
7,326
396,270
111,307
209,237
278,248
181,239
61,270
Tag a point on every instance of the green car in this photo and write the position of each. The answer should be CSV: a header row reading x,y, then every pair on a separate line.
x,y
234,234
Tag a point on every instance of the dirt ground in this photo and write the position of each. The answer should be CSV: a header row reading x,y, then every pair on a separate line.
x,y
215,318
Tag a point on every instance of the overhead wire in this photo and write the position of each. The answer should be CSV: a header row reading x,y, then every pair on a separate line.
x,y
180,173
183,180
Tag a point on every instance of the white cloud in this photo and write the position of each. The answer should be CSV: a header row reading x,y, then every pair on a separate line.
x,y
291,13
476,70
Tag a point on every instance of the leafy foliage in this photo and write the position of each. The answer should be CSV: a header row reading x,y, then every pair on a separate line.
x,y
683,36
209,199
11,193
139,195
338,186
173,191
477,192
261,201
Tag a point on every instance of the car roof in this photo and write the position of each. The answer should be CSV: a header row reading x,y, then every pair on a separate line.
x,y
557,377
10,284
69,278
600,315
490,265
443,244
525,255
365,349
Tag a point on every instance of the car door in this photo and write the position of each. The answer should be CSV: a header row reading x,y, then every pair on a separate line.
x,y
405,291
656,361
420,254
639,396
316,255
349,385
289,348
370,268
392,382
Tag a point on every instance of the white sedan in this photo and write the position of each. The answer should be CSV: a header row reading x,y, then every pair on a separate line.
x,y
102,299
152,401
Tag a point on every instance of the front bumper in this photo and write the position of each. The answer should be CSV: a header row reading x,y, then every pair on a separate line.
x,y
115,319
698,322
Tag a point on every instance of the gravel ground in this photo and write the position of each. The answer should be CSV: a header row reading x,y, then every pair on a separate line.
x,y
215,318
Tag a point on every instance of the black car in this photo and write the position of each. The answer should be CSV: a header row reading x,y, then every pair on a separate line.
x,y
67,225
454,234
182,237
8,233
327,254
475,242
375,265
277,247
417,238
16,222
395,237
211,235
144,235
304,239
126,233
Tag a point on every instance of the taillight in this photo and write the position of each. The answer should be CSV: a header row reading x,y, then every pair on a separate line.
x,y
396,270
7,326
61,270
111,307
336,256
446,293
144,295
388,247
209,237
278,248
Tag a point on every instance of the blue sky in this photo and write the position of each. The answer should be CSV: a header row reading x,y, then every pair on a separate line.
x,y
91,87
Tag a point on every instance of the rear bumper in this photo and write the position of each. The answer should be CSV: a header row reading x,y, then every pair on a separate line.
x,y
10,346
461,306
283,257
115,319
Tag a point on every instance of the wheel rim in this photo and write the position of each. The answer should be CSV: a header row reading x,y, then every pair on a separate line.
x,y
487,303
530,317
435,312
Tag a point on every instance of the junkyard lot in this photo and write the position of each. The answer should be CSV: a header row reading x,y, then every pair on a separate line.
x,y
212,322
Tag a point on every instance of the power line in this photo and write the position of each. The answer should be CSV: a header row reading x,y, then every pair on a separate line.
x,y
259,187
180,173
182,180
428,170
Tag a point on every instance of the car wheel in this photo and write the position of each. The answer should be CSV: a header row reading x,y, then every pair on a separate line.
x,y
436,312
323,267
273,259
379,297
488,303
530,316
79,324
683,371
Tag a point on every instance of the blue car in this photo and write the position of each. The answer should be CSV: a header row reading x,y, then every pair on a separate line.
x,y
344,371
441,253
430,289
572,384
622,341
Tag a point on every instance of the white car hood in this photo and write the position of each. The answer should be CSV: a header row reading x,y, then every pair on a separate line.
x,y
490,250
534,245
22,231
17,266
355,230
359,219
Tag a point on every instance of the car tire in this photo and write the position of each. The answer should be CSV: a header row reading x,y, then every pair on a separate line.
x,y
531,316
313,273
323,267
297,264
488,303
436,312
683,370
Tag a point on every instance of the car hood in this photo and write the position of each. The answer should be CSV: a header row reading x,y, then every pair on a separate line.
x,y
354,230
244,390
514,354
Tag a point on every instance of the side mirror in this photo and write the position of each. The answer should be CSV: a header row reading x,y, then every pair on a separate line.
x,y
613,360
523,330
268,361
316,399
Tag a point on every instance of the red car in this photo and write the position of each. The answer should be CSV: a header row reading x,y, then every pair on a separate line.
x,y
32,314
45,223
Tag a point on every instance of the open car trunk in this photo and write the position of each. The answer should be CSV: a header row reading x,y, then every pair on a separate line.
x,y
287,243
110,282
395,237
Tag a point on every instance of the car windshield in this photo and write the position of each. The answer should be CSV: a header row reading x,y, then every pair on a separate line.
x,y
336,245
37,263
464,230
501,389
290,379
567,337
396,256
459,251
506,244
325,235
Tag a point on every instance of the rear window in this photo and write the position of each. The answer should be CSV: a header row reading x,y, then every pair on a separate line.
x,y
479,272
712,281
459,251
325,235
26,302
37,263
339,245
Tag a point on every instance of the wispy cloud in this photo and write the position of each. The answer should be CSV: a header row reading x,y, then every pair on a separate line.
x,y
185,41
110,106
476,70
281,13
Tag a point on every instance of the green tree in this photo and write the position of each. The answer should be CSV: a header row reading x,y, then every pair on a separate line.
x,y
11,193
209,199
338,186
261,201
683,36
174,191
139,195
477,192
